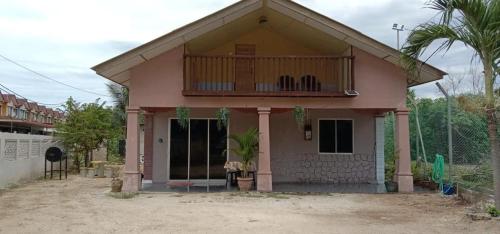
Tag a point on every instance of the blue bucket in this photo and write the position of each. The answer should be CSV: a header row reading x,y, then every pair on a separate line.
x,y
448,189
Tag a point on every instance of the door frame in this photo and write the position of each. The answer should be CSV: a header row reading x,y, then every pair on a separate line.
x,y
208,181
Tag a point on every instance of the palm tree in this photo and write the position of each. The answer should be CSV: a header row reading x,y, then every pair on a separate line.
x,y
476,24
120,99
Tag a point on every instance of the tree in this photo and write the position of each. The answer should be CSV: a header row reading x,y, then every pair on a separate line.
x,y
85,128
476,24
120,99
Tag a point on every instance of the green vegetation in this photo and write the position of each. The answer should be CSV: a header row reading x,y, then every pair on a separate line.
x,y
494,212
474,24
299,115
247,148
182,114
87,127
222,116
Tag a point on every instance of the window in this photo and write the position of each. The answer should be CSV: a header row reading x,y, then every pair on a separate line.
x,y
335,136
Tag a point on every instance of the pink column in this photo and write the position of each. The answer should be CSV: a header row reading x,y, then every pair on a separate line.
x,y
148,145
264,177
131,174
402,145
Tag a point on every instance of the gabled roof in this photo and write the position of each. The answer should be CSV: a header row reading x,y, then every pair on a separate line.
x,y
23,102
117,68
42,109
12,98
33,106
5,97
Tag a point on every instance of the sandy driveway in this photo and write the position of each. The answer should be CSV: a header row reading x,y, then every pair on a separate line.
x,y
80,205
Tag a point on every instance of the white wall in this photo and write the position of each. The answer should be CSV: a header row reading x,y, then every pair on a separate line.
x,y
22,157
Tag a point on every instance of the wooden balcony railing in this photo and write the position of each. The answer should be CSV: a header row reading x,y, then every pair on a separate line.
x,y
306,76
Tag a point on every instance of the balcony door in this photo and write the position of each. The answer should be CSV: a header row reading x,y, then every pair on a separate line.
x,y
245,67
198,152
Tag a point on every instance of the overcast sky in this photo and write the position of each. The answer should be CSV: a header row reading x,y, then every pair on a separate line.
x,y
63,39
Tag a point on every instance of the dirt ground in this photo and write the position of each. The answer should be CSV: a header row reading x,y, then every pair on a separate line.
x,y
80,205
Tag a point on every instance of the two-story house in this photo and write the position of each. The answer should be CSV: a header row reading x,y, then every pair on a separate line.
x,y
261,59
20,115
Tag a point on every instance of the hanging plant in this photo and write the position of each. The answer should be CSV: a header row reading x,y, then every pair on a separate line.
x,y
222,115
299,115
182,116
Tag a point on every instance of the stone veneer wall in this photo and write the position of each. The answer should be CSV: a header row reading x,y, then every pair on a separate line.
x,y
324,168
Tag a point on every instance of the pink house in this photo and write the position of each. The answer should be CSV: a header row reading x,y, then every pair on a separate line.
x,y
261,59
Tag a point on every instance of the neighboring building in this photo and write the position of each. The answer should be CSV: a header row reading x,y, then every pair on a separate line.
x,y
261,59
21,116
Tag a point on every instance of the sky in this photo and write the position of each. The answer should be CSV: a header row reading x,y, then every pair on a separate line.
x,y
62,39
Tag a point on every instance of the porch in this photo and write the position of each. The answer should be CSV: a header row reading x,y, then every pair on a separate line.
x,y
345,147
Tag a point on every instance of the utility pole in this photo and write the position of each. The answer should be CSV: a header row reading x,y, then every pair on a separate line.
x,y
450,139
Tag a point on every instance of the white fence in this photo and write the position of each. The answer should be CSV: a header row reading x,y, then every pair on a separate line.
x,y
22,156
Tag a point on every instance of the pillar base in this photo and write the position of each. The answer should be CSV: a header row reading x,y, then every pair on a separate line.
x,y
405,183
264,182
131,182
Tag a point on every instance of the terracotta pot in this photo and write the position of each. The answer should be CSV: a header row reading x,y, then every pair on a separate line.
x,y
245,184
116,185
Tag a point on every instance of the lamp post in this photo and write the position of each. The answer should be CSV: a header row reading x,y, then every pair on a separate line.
x,y
398,29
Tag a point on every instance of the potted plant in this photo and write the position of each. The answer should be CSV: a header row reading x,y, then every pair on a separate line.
x,y
116,183
182,114
390,185
222,115
247,148
390,169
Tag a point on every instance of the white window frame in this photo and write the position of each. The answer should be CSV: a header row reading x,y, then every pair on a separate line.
x,y
335,119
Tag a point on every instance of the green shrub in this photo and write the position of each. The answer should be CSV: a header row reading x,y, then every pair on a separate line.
x,y
494,212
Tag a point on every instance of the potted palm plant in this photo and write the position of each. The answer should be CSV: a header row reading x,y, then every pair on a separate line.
x,y
247,147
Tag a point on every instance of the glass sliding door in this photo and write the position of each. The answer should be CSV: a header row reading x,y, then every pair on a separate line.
x,y
178,151
198,166
217,149
199,151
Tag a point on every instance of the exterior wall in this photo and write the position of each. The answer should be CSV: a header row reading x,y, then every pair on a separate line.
x,y
292,158
22,157
295,160
159,83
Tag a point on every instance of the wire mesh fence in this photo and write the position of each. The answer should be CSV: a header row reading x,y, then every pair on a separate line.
x,y
471,166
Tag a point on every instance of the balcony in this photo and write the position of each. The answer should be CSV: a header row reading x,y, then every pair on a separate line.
x,y
271,76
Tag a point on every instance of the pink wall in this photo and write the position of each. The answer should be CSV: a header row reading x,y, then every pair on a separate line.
x,y
159,83
287,141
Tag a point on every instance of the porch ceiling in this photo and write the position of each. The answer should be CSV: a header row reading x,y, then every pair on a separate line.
x,y
284,25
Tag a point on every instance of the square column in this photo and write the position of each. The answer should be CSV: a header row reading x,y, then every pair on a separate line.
x,y
402,146
148,146
131,174
379,148
264,177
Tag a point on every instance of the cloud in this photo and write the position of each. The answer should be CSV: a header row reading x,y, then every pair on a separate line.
x,y
63,39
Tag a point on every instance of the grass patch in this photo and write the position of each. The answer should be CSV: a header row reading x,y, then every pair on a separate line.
x,y
122,195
